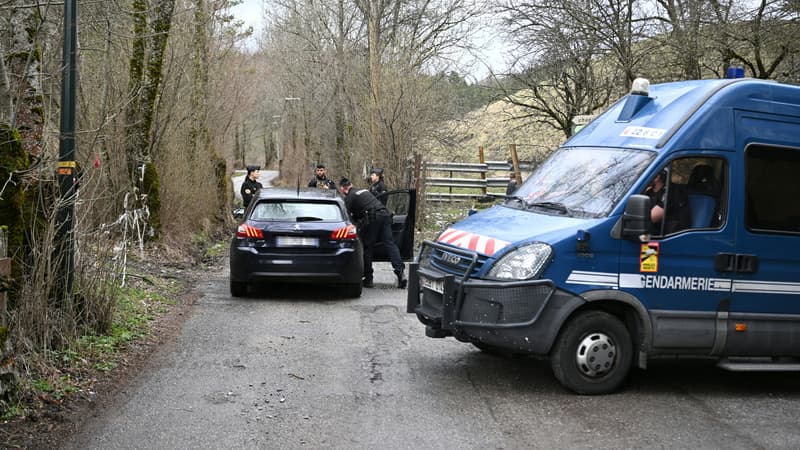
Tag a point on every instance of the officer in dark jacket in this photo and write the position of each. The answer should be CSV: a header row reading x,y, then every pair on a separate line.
x,y
376,185
250,184
374,225
512,183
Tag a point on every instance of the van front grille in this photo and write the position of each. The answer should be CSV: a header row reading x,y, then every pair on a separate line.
x,y
455,263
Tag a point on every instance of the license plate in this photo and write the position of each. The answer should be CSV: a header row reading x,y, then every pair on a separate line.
x,y
296,241
434,285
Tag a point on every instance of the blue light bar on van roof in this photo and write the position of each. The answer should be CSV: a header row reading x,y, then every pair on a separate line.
x,y
734,72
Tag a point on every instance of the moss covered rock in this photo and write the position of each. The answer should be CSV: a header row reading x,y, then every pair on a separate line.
x,y
13,159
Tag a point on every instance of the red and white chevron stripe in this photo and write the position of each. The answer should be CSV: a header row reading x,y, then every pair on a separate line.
x,y
482,244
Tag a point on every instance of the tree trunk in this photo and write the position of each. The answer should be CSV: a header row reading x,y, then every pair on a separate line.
x,y
25,75
199,142
374,70
145,85
13,202
6,105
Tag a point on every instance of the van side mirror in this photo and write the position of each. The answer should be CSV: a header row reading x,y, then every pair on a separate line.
x,y
636,218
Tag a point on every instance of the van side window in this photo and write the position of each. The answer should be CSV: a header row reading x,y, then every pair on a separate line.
x,y
694,195
771,189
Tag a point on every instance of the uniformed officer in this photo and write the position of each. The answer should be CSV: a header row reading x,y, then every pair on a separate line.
x,y
250,184
374,225
512,183
376,185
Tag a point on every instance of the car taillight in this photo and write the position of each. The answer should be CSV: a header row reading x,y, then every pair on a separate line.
x,y
247,231
348,232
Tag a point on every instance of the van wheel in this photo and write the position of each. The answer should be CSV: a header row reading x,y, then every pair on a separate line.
x,y
593,353
238,289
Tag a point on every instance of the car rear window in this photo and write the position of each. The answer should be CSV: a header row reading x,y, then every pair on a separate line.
x,y
297,211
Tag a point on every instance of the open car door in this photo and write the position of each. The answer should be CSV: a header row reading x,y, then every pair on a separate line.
x,y
403,205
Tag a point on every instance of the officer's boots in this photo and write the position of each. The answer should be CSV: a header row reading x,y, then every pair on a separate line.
x,y
401,280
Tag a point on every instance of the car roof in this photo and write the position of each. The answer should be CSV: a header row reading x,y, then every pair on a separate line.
x,y
304,193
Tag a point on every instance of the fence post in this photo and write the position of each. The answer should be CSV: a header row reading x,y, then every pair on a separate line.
x,y
450,188
417,171
419,185
483,174
515,163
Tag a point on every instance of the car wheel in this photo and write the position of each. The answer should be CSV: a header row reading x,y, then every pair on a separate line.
x,y
238,289
352,290
592,354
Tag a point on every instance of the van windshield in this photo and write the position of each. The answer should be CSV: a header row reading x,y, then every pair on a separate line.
x,y
582,181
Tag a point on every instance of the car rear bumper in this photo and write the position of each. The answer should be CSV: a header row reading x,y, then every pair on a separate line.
x,y
345,266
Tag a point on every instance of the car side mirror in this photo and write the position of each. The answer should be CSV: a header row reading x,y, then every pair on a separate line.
x,y
636,219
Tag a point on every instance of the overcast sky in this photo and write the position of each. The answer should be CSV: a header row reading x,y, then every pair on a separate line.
x,y
252,13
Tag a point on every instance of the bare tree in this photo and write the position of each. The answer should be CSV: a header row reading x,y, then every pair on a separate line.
x,y
622,28
6,104
24,66
760,37
683,33
146,71
363,62
560,69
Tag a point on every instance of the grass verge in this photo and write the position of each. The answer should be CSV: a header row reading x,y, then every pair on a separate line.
x,y
51,379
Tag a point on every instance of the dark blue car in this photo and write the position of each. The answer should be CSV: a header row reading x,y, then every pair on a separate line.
x,y
306,236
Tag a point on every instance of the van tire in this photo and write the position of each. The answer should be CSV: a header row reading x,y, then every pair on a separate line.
x,y
592,337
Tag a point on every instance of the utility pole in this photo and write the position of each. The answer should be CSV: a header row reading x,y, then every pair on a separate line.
x,y
66,159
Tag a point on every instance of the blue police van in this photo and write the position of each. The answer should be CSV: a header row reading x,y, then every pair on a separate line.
x,y
667,226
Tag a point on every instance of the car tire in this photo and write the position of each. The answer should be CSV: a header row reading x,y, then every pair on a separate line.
x,y
238,289
592,354
352,290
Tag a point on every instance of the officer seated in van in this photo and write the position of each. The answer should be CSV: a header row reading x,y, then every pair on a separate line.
x,y
669,211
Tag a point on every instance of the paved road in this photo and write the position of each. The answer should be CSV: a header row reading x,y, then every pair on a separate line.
x,y
305,368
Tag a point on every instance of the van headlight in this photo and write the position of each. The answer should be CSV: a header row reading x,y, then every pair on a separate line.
x,y
523,263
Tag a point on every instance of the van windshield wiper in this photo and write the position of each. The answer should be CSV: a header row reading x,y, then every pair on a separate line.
x,y
514,197
551,205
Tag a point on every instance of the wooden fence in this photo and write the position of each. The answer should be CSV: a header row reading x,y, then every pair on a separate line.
x,y
451,181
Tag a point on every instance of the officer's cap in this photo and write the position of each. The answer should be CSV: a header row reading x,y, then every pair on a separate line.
x,y
253,168
377,171
320,166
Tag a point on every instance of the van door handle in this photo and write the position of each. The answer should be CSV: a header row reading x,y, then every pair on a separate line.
x,y
730,262
725,262
746,263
